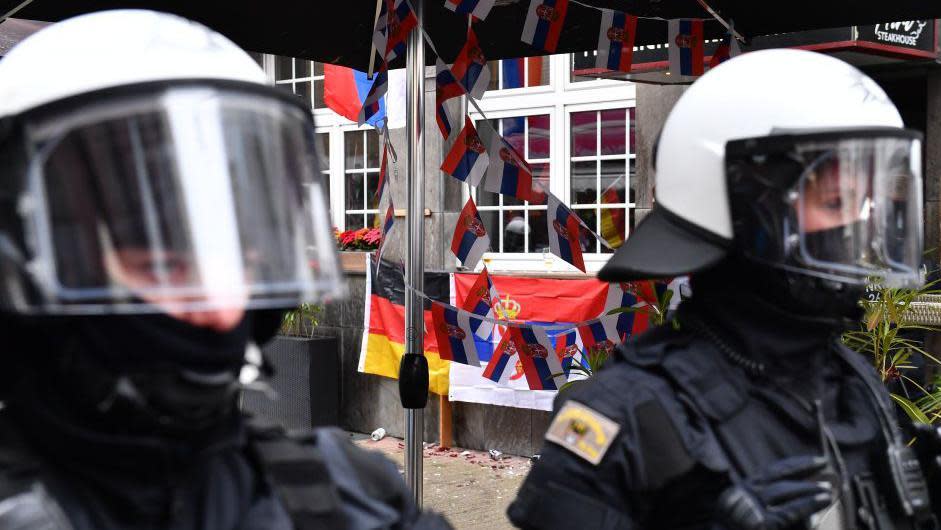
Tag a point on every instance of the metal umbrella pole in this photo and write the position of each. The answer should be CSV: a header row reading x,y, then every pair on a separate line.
x,y
413,370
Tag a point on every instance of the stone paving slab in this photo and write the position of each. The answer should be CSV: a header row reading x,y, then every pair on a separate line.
x,y
470,488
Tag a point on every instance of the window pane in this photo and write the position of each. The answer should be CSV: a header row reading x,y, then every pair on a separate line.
x,y
373,220
491,221
584,182
613,133
318,68
538,70
540,183
323,140
372,185
588,241
539,233
584,133
354,191
287,87
353,145
494,67
613,181
372,149
630,117
513,133
632,180
486,198
514,230
301,68
513,76
282,68
539,138
302,90
582,61
318,95
612,228
354,221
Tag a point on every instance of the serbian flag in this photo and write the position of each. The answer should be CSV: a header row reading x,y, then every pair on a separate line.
x,y
508,173
453,331
470,67
467,160
387,225
478,8
568,346
544,22
642,296
600,335
564,231
470,237
479,301
616,41
446,87
687,47
383,167
540,363
400,21
503,357
372,105
727,49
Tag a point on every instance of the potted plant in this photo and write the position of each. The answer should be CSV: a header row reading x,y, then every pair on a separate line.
x,y
353,243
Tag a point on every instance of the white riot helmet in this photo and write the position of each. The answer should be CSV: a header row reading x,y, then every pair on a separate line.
x,y
792,159
146,163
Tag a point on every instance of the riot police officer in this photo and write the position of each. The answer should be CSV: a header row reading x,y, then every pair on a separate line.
x,y
785,183
160,206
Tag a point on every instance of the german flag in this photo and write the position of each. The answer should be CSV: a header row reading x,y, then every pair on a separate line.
x,y
384,340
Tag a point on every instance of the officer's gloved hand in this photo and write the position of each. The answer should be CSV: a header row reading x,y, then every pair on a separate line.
x,y
786,494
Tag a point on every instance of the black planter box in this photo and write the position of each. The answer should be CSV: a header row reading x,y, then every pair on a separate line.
x,y
306,380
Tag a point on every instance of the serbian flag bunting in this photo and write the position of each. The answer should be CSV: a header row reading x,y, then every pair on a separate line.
x,y
467,160
470,67
478,8
544,22
453,331
479,301
564,231
387,225
568,346
400,22
687,47
508,173
470,237
383,167
727,49
502,358
642,296
371,105
616,41
540,363
446,87
600,335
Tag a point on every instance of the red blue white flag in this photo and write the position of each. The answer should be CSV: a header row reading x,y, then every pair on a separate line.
x,y
727,49
396,21
453,331
470,237
467,160
387,225
503,357
470,67
564,233
600,335
446,87
372,105
478,8
479,301
616,41
508,173
687,47
544,22
383,168
541,365
569,348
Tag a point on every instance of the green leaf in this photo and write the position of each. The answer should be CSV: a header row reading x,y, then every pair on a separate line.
x,y
911,409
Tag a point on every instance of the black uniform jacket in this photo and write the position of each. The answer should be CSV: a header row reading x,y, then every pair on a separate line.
x,y
673,454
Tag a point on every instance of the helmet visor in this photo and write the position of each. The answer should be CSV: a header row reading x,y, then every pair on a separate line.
x,y
193,198
858,208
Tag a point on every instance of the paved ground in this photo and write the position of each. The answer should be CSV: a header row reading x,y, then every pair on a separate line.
x,y
469,487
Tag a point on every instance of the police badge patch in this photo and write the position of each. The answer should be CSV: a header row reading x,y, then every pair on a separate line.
x,y
583,431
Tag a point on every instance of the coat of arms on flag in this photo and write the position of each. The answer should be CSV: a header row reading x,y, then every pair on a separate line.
x,y
544,22
467,160
470,67
453,331
616,41
470,237
508,173
446,87
564,233
687,47
479,300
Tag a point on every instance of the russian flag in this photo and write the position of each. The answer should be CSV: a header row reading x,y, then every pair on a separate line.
x,y
508,173
544,23
454,335
467,160
470,237
564,231
501,358
687,47
540,363
345,91
600,335
479,301
381,186
616,41
470,67
373,107
446,87
478,8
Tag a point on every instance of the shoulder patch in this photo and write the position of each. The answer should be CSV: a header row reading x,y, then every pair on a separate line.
x,y
583,431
